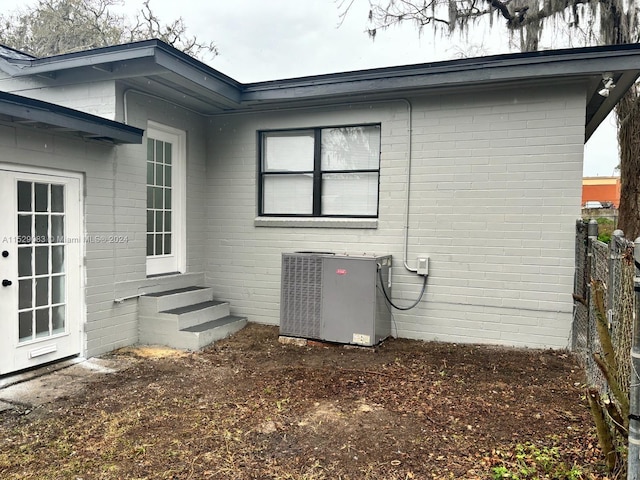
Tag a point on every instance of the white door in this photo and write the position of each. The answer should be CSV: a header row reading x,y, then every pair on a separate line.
x,y
166,152
40,269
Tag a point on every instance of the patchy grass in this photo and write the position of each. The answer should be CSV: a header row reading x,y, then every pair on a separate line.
x,y
251,408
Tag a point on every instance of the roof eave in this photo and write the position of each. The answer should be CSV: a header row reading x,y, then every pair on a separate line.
x,y
24,111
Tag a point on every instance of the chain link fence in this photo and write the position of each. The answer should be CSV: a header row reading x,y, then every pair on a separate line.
x,y
610,269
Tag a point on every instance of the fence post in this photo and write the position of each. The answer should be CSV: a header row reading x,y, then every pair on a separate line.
x,y
633,463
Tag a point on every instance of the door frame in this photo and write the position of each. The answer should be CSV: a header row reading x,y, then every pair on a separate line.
x,y
164,132
53,173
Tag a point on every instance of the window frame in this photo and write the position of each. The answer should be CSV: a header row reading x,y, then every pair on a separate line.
x,y
317,171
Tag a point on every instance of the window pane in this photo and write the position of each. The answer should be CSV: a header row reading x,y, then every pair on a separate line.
x,y
159,217
288,194
350,194
159,151
167,244
288,151
351,148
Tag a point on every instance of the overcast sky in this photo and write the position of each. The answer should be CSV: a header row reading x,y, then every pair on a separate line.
x,y
266,40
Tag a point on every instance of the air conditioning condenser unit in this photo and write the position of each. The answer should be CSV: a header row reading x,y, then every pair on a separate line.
x,y
335,298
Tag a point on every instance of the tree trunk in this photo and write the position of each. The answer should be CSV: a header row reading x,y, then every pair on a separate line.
x,y
629,143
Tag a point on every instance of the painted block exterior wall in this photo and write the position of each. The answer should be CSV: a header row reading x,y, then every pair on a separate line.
x,y
95,97
495,180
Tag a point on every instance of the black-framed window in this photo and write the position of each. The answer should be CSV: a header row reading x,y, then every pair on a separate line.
x,y
320,172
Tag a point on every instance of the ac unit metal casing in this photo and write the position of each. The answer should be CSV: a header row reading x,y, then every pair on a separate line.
x,y
336,298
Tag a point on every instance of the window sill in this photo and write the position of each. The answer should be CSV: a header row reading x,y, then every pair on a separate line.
x,y
293,222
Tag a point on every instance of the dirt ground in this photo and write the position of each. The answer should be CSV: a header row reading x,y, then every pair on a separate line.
x,y
250,407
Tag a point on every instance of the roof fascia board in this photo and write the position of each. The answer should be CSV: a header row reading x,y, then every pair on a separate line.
x,y
66,118
446,75
63,62
207,77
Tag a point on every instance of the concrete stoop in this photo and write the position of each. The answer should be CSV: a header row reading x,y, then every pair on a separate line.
x,y
186,318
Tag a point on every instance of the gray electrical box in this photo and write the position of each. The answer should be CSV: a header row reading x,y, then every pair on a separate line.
x,y
337,298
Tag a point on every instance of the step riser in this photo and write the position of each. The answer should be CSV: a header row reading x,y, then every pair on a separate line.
x,y
154,331
151,305
191,319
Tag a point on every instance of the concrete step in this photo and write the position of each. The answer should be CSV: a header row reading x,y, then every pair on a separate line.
x,y
171,299
196,337
193,315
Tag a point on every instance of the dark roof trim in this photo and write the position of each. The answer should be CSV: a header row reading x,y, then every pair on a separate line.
x,y
27,111
452,73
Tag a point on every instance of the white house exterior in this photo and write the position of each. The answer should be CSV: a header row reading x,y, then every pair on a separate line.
x,y
476,164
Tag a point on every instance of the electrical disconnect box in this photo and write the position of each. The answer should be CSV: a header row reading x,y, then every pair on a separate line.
x,y
336,298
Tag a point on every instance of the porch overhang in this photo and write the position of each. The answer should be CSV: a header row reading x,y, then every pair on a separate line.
x,y
21,111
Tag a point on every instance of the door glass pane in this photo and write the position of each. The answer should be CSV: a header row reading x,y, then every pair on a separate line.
x,y
25,326
58,319
150,244
57,198
167,244
158,246
42,229
57,259
42,260
57,229
167,153
25,256
42,197
25,294
42,291
24,196
167,199
42,322
24,229
159,218
57,289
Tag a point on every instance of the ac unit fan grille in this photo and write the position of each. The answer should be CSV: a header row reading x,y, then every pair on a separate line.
x,y
301,298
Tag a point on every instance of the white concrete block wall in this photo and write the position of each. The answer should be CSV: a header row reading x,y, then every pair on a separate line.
x,y
97,97
495,191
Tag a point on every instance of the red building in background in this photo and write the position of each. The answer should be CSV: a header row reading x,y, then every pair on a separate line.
x,y
601,189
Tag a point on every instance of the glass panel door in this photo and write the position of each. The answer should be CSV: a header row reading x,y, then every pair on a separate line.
x,y
40,263
166,154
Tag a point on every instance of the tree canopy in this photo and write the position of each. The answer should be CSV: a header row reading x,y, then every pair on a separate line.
x,y
585,22
52,27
